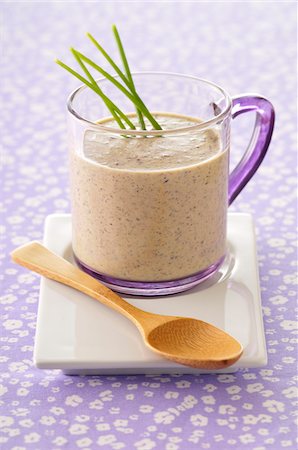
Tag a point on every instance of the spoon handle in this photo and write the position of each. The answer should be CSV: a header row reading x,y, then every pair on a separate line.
x,y
39,259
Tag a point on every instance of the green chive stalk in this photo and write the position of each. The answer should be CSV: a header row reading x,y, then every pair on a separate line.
x,y
131,93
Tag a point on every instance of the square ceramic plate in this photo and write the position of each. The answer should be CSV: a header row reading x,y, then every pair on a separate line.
x,y
81,336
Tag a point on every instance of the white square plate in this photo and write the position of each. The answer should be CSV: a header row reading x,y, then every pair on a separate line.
x,y
80,336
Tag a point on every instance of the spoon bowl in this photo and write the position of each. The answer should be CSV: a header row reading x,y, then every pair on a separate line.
x,y
194,343
184,340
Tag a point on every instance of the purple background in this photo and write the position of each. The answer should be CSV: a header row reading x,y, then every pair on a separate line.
x,y
245,47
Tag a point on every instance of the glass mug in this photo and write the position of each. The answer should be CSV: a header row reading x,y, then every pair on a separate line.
x,y
155,231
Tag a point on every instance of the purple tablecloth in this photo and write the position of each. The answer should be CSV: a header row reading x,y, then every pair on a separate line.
x,y
245,47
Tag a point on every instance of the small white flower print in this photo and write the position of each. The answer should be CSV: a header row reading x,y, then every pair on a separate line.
x,y
247,438
164,417
208,409
278,300
31,438
208,399
19,412
106,396
26,384
120,423
106,440
118,445
8,299
222,422
22,392
55,389
226,409
171,394
47,420
78,428
82,418
26,423
12,432
125,430
73,400
4,358
171,446
267,393
209,388
189,402
182,384
274,406
19,240
94,382
226,378
290,392
266,311
291,279
57,410
6,421
145,444
254,387
249,376
235,397
145,409
60,441
266,372
289,325
3,390
18,367
263,431
26,278
287,443
199,420
96,404
288,360
177,430
265,418
12,324
83,443
249,419
233,389
102,426
276,242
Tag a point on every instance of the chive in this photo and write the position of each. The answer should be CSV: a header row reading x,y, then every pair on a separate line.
x,y
110,105
134,98
107,101
109,59
132,94
129,83
98,90
87,83
127,71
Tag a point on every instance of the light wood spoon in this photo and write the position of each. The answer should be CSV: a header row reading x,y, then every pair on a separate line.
x,y
184,340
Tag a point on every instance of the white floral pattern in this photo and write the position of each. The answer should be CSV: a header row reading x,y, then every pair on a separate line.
x,y
244,46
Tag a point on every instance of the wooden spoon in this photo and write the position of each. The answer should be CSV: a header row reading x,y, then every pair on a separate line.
x,y
184,340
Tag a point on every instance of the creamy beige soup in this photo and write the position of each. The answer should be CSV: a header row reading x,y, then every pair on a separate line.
x,y
150,208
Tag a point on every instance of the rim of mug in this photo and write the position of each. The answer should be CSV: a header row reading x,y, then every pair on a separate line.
x,y
130,132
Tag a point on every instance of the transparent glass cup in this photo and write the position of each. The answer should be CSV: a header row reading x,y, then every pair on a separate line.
x,y
149,230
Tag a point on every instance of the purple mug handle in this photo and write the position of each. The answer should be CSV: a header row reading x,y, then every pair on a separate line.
x,y
259,142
